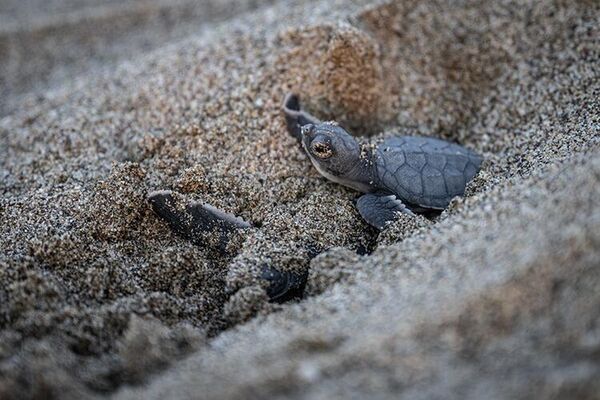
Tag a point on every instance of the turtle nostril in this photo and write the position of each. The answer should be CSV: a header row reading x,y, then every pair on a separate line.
x,y
308,128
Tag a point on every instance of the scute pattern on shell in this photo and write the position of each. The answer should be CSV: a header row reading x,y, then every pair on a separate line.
x,y
423,171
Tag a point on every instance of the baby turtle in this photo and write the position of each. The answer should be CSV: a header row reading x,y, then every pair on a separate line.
x,y
399,175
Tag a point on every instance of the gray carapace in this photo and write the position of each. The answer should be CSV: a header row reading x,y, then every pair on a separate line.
x,y
399,175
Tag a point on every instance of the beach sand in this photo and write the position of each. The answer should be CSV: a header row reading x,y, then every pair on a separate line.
x,y
104,102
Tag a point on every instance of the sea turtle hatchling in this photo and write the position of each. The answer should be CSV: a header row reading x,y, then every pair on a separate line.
x,y
399,175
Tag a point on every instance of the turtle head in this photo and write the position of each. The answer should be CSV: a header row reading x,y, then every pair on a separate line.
x,y
335,154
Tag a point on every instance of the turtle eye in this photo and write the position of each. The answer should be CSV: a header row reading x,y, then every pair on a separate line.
x,y
321,149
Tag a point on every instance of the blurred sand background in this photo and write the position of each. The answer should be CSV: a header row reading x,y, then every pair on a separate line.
x,y
104,101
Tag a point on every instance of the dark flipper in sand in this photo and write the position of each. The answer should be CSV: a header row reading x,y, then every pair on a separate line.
x,y
207,226
295,118
202,224
283,285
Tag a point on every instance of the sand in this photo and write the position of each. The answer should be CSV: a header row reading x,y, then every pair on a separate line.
x,y
496,297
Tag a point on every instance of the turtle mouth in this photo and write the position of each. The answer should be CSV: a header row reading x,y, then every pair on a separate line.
x,y
306,146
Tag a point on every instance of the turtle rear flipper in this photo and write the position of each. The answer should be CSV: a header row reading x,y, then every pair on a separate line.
x,y
296,118
202,224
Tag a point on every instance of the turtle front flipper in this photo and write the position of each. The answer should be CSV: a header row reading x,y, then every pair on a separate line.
x,y
202,224
379,209
296,118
